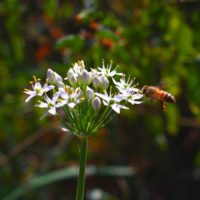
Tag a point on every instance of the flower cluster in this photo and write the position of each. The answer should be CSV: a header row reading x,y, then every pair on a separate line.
x,y
87,97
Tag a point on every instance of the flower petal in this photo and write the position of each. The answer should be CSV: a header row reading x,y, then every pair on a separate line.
x,y
52,110
42,104
30,97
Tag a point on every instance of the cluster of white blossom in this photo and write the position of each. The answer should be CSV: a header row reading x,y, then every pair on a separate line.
x,y
85,94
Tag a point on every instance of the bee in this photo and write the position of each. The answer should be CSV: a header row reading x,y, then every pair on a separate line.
x,y
155,92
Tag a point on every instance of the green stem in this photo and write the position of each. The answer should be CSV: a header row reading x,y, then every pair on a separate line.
x,y
81,178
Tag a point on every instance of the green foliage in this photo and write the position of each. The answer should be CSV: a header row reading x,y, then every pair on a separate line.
x,y
74,42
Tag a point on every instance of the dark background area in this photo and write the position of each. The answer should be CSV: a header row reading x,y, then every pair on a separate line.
x,y
153,41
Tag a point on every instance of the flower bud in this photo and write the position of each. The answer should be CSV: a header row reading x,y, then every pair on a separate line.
x,y
96,82
96,103
104,83
72,80
60,84
70,73
53,77
90,92
71,76
85,77
79,67
50,75
81,64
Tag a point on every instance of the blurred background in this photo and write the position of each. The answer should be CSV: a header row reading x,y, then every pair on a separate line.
x,y
143,154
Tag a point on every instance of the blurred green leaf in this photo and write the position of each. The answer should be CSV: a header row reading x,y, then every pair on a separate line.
x,y
107,34
51,7
70,172
74,42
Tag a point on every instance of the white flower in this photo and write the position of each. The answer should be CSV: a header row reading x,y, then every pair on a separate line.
x,y
70,97
132,98
114,101
75,97
38,90
51,104
108,72
79,73
128,92
76,70
64,96
123,84
54,78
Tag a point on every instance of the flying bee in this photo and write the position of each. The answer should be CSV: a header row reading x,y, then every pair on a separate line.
x,y
153,92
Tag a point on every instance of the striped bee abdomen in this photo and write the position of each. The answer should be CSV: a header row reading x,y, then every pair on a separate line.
x,y
169,98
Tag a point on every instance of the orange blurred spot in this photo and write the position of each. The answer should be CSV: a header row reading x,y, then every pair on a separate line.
x,y
107,43
99,143
95,26
118,32
42,52
56,32
78,18
137,12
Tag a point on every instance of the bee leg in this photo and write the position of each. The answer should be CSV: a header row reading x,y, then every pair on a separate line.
x,y
163,105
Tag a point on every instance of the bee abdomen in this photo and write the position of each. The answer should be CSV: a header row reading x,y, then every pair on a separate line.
x,y
169,98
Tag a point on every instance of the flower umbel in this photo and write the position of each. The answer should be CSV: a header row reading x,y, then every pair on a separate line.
x,y
88,98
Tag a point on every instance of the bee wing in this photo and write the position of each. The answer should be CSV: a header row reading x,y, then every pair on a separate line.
x,y
161,85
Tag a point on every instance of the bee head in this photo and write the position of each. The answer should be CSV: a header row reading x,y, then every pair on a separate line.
x,y
144,89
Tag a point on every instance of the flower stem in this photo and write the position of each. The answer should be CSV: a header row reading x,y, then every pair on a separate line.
x,y
81,178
